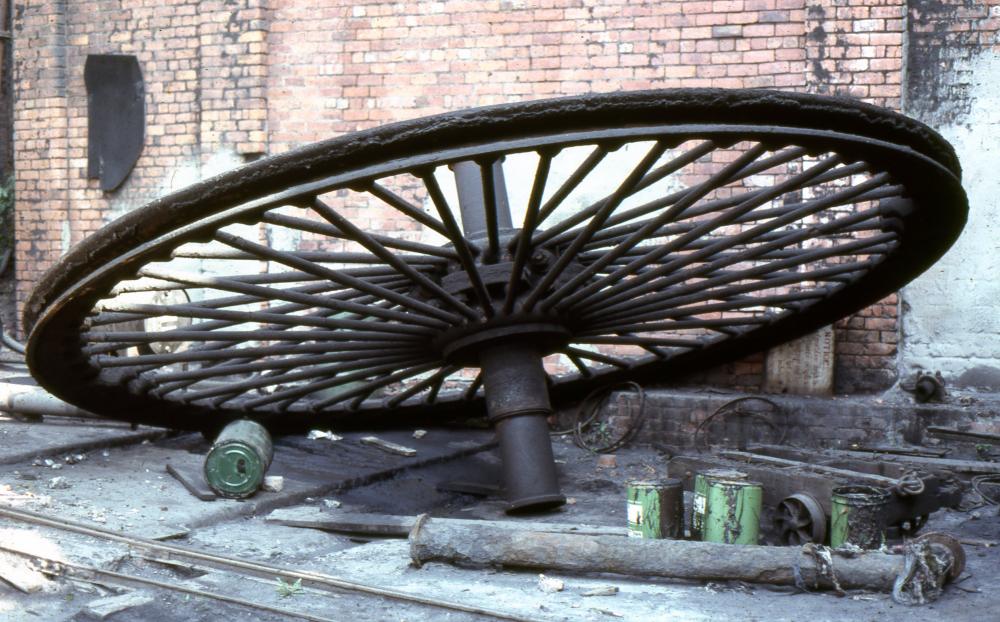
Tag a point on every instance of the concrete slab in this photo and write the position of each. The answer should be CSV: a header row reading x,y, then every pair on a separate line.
x,y
54,438
128,488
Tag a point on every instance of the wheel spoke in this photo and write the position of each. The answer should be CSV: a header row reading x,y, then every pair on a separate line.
x,y
309,300
464,249
404,206
626,188
434,381
388,257
597,356
557,298
302,224
524,243
574,180
591,295
337,276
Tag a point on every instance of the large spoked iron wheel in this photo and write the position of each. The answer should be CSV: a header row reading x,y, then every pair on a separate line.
x,y
514,253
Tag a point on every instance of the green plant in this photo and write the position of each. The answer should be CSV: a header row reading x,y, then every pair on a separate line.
x,y
285,590
6,211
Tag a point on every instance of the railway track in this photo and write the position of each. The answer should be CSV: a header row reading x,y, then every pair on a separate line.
x,y
155,551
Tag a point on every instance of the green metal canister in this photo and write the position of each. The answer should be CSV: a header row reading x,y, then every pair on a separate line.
x,y
701,481
239,458
655,509
858,516
732,511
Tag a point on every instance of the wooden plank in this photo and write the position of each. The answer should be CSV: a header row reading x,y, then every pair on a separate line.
x,y
967,436
193,480
856,476
926,452
392,448
19,573
961,467
399,526
865,463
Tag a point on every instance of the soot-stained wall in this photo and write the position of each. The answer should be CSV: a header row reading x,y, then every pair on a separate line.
x,y
951,318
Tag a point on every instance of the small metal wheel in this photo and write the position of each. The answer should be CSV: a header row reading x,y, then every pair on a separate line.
x,y
800,519
953,547
482,261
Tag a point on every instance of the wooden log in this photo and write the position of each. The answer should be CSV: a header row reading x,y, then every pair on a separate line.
x,y
959,467
433,539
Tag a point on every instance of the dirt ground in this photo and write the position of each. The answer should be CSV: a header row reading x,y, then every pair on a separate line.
x,y
126,487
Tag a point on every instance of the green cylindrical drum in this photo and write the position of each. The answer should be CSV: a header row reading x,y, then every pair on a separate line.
x,y
701,495
732,511
858,516
656,509
239,458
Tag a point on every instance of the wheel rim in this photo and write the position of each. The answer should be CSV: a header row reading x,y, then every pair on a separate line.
x,y
800,519
633,253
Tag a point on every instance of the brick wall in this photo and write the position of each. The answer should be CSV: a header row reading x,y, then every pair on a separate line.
x,y
204,69
228,80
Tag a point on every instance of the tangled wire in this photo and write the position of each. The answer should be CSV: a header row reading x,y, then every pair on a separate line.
x,y
977,485
598,436
736,407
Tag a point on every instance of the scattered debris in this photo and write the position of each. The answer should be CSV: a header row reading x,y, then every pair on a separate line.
x,y
331,503
103,608
607,590
392,448
74,458
607,612
18,564
58,483
419,434
315,435
550,585
273,483
20,573
607,461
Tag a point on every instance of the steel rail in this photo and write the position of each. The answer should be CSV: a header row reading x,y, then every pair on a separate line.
x,y
173,551
464,249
